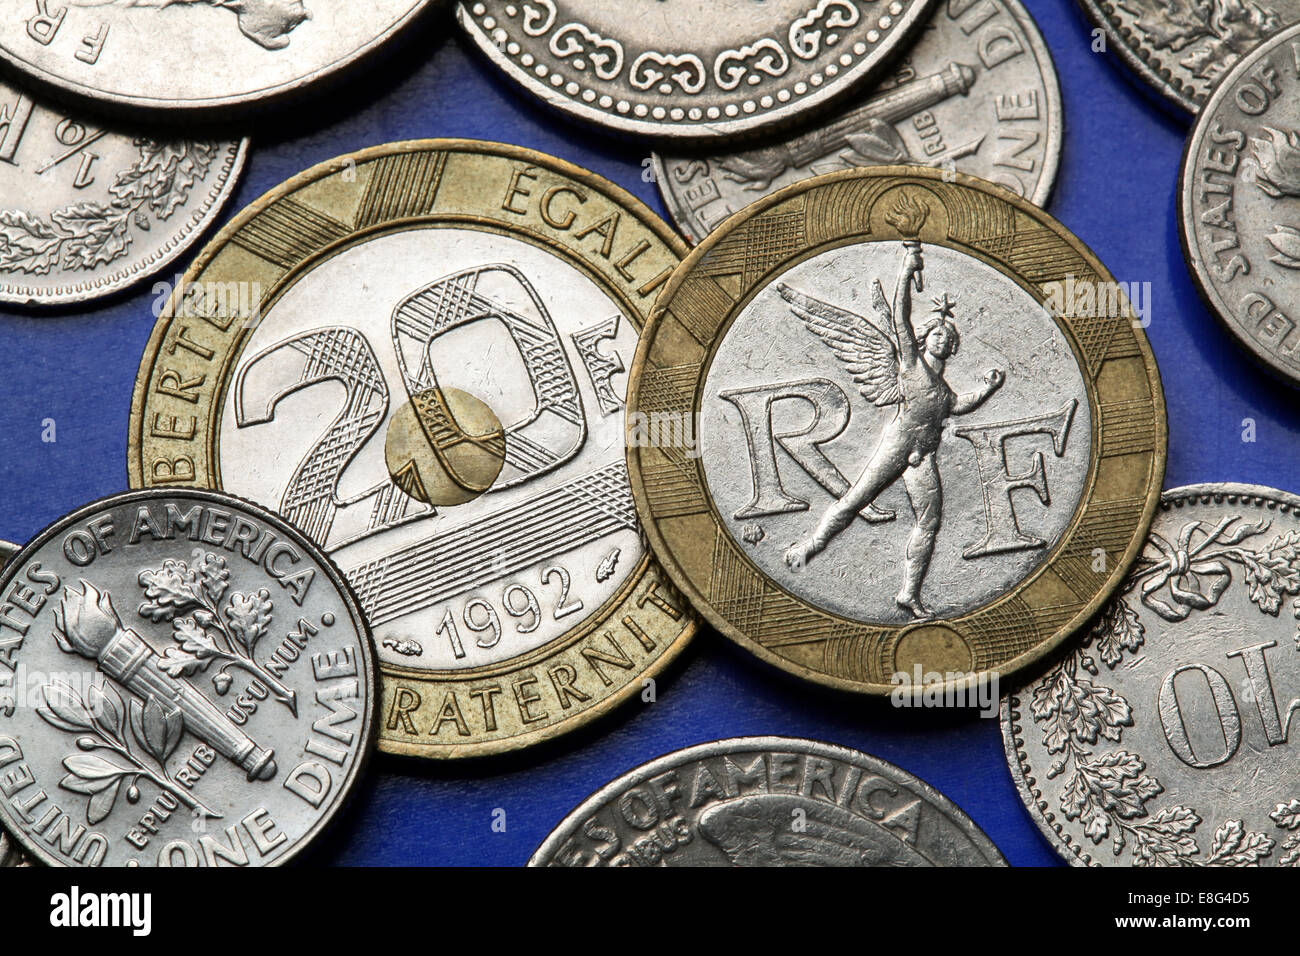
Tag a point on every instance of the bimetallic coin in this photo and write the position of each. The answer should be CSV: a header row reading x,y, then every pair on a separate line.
x,y
195,686
1182,50
767,801
191,54
702,69
92,208
432,388
1239,226
929,433
1162,740
977,93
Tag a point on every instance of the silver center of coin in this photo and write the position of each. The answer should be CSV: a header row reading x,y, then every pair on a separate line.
x,y
483,539
887,454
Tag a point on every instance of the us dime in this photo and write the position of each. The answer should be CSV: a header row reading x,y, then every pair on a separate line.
x,y
685,68
432,388
1162,740
197,686
767,801
1183,49
829,516
1239,223
977,93
90,208
191,54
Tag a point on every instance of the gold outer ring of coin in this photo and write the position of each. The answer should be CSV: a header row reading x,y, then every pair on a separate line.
x,y
1039,613
179,393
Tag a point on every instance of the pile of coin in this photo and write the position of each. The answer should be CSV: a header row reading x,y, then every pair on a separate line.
x,y
445,448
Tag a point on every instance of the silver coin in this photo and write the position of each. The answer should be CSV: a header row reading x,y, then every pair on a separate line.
x,y
1162,739
192,54
767,801
690,69
189,682
1183,49
10,855
977,93
1239,226
90,208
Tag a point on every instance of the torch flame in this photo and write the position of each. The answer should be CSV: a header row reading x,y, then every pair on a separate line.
x,y
908,216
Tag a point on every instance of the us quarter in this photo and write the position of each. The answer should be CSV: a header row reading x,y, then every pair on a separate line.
x,y
685,68
195,686
1239,222
977,93
92,207
930,432
432,388
1162,740
767,801
168,55
1182,50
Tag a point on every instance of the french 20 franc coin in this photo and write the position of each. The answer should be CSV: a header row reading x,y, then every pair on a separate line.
x,y
767,801
88,208
977,93
1240,219
433,389
1162,740
194,55
1182,50
196,686
695,69
885,426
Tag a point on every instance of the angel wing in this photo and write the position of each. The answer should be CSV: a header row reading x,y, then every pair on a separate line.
x,y
761,830
868,353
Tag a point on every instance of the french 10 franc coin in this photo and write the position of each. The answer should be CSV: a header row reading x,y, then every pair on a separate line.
x,y
424,370
1240,222
690,68
886,426
767,801
90,208
168,55
1182,50
194,684
977,92
1162,740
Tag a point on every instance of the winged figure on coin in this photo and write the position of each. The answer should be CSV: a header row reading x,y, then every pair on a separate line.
x,y
267,23
895,366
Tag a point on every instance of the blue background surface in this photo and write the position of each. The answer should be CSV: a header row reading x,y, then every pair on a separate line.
x,y
1115,190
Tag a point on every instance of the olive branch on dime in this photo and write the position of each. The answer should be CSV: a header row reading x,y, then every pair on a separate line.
x,y
112,757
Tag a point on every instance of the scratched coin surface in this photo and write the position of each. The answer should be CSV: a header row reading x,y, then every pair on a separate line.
x,y
698,69
1183,49
90,207
434,391
193,685
977,93
1162,739
884,424
167,55
1240,219
767,801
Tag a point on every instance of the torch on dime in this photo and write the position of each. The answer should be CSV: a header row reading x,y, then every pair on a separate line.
x,y
976,93
198,687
